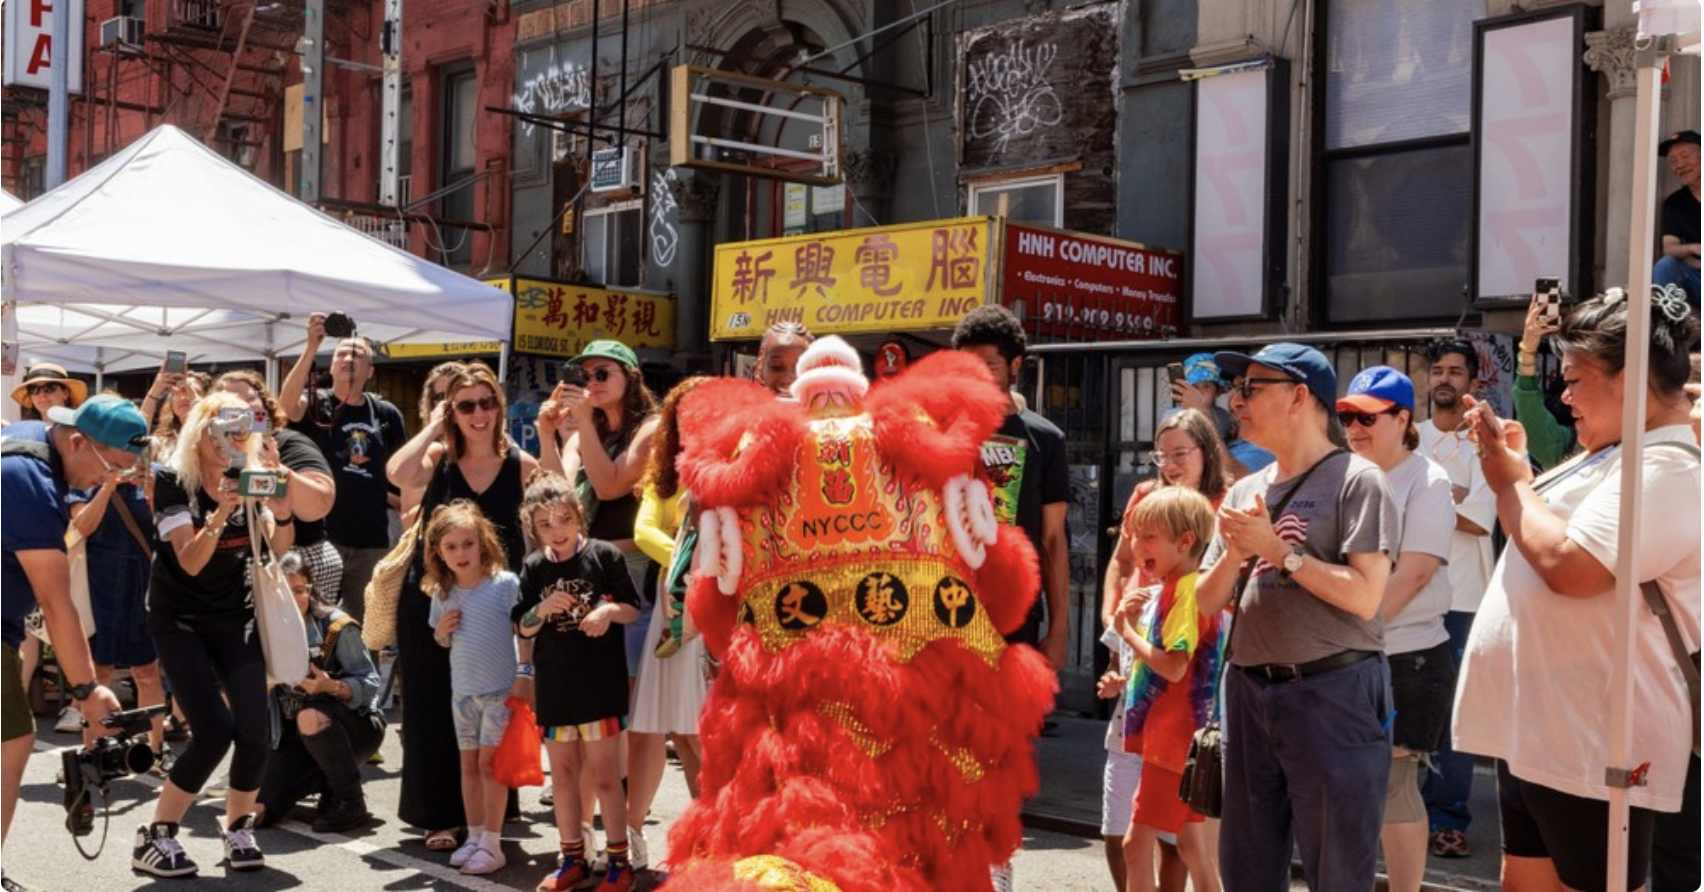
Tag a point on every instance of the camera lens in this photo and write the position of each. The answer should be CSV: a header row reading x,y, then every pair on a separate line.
x,y
339,325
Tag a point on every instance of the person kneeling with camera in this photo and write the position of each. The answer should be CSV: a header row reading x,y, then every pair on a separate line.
x,y
324,727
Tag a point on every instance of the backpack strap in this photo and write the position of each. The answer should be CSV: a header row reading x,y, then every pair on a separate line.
x,y
35,449
338,623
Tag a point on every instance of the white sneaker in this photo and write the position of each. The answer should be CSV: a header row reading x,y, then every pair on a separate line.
x,y
1002,877
638,848
460,856
70,720
484,861
547,796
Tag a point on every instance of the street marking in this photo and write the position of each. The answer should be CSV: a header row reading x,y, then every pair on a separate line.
x,y
357,847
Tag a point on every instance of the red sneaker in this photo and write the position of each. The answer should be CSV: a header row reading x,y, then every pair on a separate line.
x,y
571,873
1449,844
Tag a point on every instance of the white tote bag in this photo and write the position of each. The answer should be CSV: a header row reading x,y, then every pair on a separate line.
x,y
77,552
283,633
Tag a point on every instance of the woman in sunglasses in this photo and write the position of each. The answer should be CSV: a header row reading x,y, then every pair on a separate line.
x,y
46,385
435,391
1378,421
463,452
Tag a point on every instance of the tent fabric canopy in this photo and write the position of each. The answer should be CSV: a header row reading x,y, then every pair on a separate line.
x,y
168,246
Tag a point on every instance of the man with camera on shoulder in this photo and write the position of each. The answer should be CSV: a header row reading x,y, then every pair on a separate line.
x,y
39,461
357,432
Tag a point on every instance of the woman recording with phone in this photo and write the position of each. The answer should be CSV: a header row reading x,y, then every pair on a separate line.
x,y
199,614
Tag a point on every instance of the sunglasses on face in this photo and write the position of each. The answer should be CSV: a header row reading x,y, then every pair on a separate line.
x,y
49,387
601,375
1364,419
483,404
1246,387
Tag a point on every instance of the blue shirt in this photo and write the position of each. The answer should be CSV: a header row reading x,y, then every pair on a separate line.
x,y
34,498
111,535
482,648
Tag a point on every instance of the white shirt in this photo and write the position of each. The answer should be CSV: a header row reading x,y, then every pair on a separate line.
x,y
1534,688
1422,492
1470,555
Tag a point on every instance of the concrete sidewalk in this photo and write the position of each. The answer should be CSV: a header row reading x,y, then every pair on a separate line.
x,y
1073,756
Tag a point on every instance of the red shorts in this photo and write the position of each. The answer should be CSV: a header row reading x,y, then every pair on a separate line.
x,y
1157,802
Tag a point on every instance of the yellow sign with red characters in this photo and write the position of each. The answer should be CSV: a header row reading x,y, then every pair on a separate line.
x,y
559,319
889,278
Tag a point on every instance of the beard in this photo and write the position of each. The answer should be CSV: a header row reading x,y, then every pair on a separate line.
x,y
1446,397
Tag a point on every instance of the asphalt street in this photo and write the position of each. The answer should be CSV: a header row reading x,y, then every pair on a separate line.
x,y
40,854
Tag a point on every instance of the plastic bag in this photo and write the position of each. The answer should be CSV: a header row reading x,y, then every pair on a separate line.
x,y
517,763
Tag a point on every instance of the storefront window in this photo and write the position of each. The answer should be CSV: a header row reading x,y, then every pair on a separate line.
x,y
1396,171
1036,200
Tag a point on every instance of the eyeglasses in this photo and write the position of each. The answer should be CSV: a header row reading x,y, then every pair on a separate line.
x,y
130,470
1448,446
1364,419
1174,457
49,387
485,403
1245,387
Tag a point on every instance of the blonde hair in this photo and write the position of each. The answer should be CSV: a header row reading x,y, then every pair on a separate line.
x,y
460,514
1178,510
553,491
474,374
186,461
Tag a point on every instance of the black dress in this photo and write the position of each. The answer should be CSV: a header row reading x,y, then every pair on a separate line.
x,y
428,731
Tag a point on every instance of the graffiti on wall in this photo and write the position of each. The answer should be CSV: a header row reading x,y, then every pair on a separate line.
x,y
663,236
559,88
1009,94
1037,89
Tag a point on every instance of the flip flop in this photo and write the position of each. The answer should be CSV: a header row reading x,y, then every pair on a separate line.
x,y
443,840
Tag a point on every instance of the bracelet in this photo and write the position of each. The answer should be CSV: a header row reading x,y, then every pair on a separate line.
x,y
283,521
524,670
155,397
1522,350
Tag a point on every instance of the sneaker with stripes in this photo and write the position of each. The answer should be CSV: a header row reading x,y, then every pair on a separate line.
x,y
241,851
158,852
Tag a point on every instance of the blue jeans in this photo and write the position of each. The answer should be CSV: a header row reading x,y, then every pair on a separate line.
x,y
1447,789
1674,271
1306,762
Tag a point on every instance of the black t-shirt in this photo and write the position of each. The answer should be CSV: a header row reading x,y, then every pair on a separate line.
x,y
1680,216
298,453
357,440
218,595
579,679
1024,464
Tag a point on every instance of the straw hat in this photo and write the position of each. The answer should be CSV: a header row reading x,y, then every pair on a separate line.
x,y
43,372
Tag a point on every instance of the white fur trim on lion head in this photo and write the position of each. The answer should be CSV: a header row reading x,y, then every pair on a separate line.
x,y
829,365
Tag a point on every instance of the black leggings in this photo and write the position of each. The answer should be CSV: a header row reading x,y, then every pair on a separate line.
x,y
199,664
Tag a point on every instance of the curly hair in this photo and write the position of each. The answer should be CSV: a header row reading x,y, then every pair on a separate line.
x,y
274,415
546,489
660,472
457,516
474,374
995,326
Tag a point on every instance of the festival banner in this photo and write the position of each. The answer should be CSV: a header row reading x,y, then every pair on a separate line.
x,y
911,276
558,319
444,349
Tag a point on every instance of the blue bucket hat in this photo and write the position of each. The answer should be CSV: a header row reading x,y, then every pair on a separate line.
x,y
1302,363
1201,369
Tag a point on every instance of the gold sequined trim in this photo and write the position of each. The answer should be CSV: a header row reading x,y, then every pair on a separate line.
x,y
778,873
969,767
841,712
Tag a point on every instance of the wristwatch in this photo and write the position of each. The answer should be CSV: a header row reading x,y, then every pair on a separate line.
x,y
1293,560
81,692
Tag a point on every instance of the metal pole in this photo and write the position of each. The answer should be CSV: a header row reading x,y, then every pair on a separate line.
x,y
59,94
1620,759
313,87
390,141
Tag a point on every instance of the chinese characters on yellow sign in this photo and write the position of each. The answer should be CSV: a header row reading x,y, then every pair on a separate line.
x,y
912,276
557,319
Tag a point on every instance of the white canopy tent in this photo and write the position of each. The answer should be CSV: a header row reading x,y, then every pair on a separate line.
x,y
168,246
8,201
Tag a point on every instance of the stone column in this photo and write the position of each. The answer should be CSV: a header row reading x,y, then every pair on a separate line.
x,y
1610,53
869,181
695,194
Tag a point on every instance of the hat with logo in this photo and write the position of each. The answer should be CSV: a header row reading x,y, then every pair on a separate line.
x,y
49,373
614,351
1674,139
1201,369
1302,363
1377,389
108,420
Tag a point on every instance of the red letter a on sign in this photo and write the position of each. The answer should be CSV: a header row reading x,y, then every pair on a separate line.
x,y
41,57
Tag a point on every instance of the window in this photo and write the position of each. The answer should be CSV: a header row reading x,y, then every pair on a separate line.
x,y
1395,176
1037,200
404,145
460,112
614,244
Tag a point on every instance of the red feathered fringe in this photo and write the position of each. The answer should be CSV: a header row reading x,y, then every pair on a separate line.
x,y
931,421
714,465
1009,579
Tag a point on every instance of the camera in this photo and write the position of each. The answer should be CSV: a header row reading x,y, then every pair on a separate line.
x,y
262,484
121,755
339,325
574,375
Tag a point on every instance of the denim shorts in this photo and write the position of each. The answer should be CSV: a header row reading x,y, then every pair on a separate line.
x,y
1422,684
480,719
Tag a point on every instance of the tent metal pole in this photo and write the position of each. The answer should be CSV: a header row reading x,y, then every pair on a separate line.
x,y
503,362
1621,762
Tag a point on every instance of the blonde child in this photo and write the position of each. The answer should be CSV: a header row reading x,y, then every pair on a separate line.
x,y
572,589
472,595
1170,688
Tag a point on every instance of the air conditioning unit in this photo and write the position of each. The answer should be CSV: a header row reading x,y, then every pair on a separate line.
x,y
122,31
613,170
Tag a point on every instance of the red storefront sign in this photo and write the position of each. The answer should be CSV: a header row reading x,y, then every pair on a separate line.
x,y
1086,287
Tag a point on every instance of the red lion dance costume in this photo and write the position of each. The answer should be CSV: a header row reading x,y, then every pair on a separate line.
x,y
870,728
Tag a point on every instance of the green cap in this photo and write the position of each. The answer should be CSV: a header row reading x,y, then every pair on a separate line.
x,y
107,419
615,351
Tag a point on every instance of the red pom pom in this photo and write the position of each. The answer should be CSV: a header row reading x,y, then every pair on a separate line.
x,y
932,420
1009,579
738,443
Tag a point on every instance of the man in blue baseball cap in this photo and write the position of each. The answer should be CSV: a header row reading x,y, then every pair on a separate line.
x,y
1307,697
38,462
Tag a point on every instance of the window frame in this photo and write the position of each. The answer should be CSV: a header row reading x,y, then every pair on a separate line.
x,y
599,216
449,78
977,187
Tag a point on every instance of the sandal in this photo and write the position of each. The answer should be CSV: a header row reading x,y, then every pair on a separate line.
x,y
443,840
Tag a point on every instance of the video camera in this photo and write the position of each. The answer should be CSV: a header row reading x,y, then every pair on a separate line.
x,y
234,422
120,755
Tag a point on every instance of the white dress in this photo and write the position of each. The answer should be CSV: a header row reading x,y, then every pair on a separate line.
x,y
671,692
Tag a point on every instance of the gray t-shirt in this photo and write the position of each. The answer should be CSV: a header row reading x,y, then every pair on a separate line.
x,y
1344,508
482,649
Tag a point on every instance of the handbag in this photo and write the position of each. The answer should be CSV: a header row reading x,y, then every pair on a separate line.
x,y
378,625
283,632
516,763
1203,785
